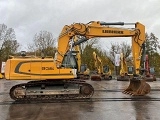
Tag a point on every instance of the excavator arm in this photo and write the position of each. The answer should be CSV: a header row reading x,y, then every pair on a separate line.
x,y
98,63
123,69
102,29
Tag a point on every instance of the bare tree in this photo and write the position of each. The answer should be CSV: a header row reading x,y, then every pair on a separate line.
x,y
117,49
93,43
126,49
43,42
3,30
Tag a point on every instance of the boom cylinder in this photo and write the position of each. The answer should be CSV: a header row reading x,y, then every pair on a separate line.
x,y
114,23
79,42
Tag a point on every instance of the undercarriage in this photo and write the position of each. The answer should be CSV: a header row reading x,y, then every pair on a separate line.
x,y
51,90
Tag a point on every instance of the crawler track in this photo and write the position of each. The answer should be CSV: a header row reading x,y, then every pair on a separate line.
x,y
86,90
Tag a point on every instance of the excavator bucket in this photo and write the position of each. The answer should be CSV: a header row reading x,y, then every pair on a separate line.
x,y
150,78
137,87
123,78
96,77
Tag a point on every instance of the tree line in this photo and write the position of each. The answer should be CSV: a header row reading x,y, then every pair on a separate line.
x,y
44,42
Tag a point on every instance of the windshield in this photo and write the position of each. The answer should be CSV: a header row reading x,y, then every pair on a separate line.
x,y
130,70
105,69
152,70
69,61
83,68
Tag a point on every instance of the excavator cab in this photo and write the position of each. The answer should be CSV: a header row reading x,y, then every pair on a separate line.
x,y
84,72
152,70
105,69
69,61
106,73
130,70
149,71
83,68
150,75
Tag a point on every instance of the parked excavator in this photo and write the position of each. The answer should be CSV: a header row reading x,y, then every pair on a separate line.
x,y
59,79
123,69
149,71
84,72
102,71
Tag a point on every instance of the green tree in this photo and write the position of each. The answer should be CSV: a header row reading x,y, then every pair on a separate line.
x,y
152,46
9,44
154,62
87,58
87,49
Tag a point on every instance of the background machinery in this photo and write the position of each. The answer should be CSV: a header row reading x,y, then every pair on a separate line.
x,y
59,79
84,72
130,70
123,69
149,71
103,71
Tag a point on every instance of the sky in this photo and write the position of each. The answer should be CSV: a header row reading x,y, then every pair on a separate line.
x,y
28,17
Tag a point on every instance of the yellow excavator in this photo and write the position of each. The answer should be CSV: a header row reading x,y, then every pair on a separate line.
x,y
123,69
59,79
103,71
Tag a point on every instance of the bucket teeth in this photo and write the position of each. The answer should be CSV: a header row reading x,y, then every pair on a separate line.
x,y
137,88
